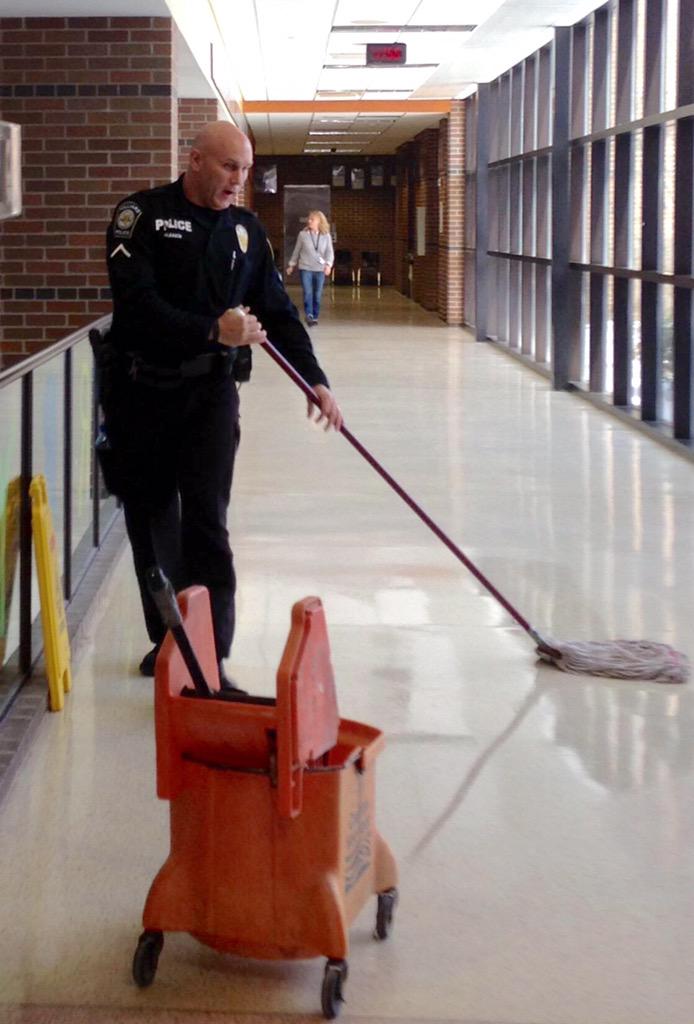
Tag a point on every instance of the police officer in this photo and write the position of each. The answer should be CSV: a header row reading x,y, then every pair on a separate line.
x,y
194,286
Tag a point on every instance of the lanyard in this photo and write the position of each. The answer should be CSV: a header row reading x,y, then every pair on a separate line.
x,y
316,240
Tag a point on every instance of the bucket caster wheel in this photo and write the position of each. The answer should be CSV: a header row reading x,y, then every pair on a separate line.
x,y
331,993
387,902
146,958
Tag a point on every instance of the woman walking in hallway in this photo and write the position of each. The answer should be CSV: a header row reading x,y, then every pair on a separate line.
x,y
313,252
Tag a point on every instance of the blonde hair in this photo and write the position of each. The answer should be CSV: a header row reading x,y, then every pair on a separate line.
x,y
323,226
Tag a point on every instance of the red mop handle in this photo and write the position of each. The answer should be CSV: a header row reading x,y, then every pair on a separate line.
x,y
427,520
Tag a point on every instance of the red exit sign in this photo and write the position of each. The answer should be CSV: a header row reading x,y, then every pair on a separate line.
x,y
378,54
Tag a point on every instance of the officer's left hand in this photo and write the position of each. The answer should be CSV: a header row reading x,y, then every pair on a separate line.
x,y
329,411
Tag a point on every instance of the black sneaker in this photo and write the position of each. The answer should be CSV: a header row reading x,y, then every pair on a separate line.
x,y
228,685
149,661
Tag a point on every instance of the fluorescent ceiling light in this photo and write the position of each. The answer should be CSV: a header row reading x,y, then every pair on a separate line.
x,y
450,12
402,78
239,31
388,11
394,94
356,132
288,33
410,12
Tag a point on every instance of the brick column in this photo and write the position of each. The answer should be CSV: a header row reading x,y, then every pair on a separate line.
x,y
418,174
95,99
426,267
452,199
403,227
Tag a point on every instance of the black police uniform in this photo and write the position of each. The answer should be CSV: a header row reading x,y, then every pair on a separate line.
x,y
172,408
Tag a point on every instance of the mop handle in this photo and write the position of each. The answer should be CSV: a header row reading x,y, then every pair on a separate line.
x,y
165,599
427,520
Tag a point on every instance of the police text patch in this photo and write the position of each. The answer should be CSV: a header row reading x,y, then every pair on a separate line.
x,y
172,224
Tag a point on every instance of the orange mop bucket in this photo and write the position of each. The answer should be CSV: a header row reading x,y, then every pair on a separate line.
x,y
280,790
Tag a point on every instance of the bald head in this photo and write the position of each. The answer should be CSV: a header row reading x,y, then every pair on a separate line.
x,y
220,134
220,158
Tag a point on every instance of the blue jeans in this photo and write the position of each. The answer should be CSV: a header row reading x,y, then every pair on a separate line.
x,y
312,282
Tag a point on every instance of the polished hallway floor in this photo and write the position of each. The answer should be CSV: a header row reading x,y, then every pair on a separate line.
x,y
543,823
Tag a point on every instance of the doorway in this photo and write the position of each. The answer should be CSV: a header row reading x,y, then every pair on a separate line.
x,y
298,200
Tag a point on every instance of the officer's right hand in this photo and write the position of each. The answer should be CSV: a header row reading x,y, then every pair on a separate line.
x,y
239,327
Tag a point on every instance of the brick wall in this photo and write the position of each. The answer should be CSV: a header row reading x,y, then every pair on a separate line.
x,y
417,176
452,198
94,97
193,114
404,218
431,176
426,268
364,218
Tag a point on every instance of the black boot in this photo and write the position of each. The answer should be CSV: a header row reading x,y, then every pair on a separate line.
x,y
149,661
228,685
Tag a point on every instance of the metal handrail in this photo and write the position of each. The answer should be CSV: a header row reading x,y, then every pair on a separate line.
x,y
20,663
31,363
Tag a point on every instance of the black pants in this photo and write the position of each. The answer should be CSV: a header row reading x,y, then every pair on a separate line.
x,y
177,448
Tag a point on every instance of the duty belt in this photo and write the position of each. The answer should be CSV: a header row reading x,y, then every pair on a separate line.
x,y
219,363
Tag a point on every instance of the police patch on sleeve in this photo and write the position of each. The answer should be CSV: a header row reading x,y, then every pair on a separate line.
x,y
127,216
242,236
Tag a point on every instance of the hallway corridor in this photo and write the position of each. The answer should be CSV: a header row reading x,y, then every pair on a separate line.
x,y
543,823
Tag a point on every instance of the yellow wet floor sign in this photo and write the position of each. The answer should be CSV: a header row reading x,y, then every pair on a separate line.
x,y
55,636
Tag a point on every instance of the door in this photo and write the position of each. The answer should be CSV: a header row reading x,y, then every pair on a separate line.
x,y
298,200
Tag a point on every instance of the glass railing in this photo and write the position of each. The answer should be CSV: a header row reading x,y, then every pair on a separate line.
x,y
48,412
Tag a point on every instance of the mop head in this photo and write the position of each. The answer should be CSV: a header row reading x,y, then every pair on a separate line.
x,y
619,659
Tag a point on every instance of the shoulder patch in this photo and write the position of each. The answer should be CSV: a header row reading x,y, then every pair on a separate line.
x,y
125,219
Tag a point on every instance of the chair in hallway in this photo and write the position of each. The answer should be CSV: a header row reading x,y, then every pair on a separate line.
x,y
369,272
343,271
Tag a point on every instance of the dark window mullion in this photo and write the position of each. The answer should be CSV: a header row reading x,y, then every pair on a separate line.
x,y
528,308
685,56
684,219
622,195
600,69
621,331
544,98
578,155
504,120
579,62
653,60
622,188
625,60
516,110
542,276
530,104
598,187
650,335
